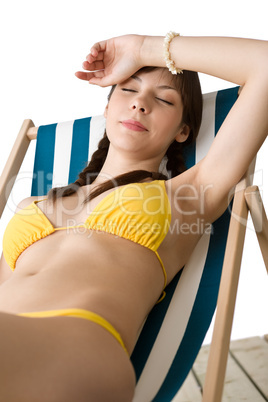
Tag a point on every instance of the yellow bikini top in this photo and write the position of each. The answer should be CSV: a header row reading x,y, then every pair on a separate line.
x,y
139,212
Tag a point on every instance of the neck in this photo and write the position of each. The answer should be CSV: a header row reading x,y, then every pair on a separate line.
x,y
124,164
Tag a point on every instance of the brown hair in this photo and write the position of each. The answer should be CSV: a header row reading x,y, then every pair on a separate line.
x,y
188,86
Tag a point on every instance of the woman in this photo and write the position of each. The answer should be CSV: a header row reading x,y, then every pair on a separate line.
x,y
90,269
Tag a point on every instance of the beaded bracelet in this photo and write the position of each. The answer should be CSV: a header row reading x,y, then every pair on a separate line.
x,y
169,62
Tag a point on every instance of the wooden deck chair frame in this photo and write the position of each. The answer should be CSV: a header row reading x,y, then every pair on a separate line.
x,y
246,198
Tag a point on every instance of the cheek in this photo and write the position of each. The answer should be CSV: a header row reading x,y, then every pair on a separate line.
x,y
171,131
109,129
114,102
111,116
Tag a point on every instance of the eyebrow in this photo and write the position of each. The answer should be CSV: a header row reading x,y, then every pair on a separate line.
x,y
135,77
166,87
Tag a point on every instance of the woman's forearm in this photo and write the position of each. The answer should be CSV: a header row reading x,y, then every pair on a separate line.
x,y
232,59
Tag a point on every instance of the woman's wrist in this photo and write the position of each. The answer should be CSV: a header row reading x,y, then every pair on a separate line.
x,y
152,51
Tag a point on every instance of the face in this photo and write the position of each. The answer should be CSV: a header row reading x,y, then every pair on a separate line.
x,y
144,114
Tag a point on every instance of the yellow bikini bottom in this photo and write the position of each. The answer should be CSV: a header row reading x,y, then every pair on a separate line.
x,y
79,313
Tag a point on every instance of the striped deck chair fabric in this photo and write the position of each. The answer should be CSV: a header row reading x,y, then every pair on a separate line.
x,y
175,329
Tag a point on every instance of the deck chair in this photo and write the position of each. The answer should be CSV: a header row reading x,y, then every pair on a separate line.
x,y
175,329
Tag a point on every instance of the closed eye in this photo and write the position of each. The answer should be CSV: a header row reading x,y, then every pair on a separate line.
x,y
165,101
128,90
160,99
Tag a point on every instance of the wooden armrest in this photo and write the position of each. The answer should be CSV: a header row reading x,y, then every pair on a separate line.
x,y
259,218
32,133
14,162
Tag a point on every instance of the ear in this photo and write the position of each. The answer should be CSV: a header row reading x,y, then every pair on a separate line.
x,y
183,133
105,111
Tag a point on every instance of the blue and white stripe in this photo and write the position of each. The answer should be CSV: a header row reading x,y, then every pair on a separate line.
x,y
63,150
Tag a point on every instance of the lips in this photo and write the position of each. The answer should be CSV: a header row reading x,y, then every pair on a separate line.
x,y
133,125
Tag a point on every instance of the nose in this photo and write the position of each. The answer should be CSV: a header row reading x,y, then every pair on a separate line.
x,y
140,104
141,109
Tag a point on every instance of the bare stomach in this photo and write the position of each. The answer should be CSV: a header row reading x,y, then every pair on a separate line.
x,y
113,277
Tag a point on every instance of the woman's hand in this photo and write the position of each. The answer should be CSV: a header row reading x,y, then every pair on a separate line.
x,y
113,61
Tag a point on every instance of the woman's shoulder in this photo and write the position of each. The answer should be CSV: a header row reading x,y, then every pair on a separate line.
x,y
27,201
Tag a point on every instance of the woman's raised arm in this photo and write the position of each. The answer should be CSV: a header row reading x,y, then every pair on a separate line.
x,y
232,59
241,61
244,62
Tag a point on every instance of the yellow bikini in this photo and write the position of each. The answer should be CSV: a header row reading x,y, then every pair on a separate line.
x,y
79,313
139,212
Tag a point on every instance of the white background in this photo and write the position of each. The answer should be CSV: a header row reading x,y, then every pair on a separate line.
x,y
42,44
